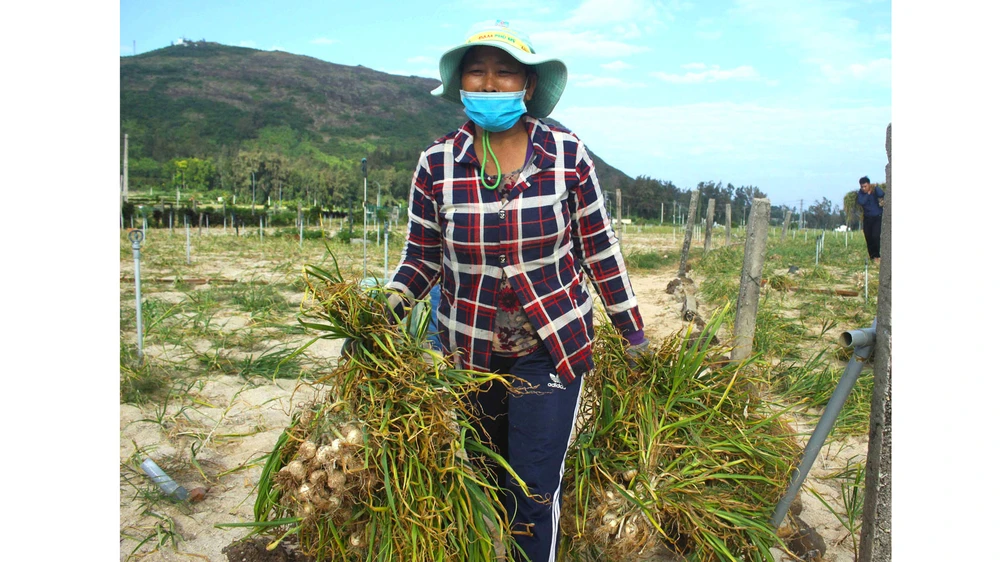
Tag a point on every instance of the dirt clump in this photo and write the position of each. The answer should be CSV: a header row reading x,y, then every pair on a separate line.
x,y
255,550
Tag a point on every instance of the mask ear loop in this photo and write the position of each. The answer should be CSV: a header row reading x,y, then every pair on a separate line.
x,y
489,150
482,169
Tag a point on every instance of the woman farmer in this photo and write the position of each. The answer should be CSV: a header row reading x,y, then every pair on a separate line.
x,y
508,212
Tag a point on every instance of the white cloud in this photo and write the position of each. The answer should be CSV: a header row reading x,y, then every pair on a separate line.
x,y
602,29
587,44
879,69
875,73
714,74
250,44
740,143
820,32
592,81
628,31
616,65
600,13
708,35
324,41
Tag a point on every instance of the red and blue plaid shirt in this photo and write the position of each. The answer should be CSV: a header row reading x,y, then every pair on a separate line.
x,y
551,228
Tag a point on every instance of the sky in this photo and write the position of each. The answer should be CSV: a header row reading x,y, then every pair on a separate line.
x,y
792,97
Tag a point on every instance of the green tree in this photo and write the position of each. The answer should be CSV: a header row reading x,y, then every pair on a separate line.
x,y
258,173
723,195
145,172
820,214
194,173
743,198
852,210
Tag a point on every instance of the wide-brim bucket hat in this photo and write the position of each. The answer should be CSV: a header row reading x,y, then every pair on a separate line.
x,y
551,71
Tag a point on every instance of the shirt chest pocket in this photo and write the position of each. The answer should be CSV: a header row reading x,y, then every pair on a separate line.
x,y
543,219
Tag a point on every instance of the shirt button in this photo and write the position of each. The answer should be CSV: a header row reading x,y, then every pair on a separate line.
x,y
503,258
503,214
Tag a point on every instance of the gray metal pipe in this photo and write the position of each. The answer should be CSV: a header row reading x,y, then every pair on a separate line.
x,y
863,342
865,337
163,480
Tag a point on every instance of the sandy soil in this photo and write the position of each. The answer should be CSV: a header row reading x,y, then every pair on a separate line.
x,y
232,423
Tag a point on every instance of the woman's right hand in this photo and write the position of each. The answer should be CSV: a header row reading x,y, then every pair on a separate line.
x,y
351,348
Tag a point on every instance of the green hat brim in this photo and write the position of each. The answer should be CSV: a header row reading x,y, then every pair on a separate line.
x,y
552,76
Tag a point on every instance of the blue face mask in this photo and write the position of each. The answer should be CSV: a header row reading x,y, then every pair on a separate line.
x,y
494,111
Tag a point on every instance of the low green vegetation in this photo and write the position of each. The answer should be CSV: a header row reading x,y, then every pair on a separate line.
x,y
803,307
646,260
234,311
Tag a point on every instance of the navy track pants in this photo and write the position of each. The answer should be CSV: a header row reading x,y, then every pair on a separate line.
x,y
531,431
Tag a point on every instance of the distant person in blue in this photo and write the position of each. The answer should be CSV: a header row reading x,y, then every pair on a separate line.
x,y
870,201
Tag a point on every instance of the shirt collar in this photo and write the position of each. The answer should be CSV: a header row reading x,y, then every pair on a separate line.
x,y
539,134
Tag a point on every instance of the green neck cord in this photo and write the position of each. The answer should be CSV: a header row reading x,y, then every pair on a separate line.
x,y
482,169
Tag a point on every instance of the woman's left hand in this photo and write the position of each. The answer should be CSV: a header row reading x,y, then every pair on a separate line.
x,y
634,351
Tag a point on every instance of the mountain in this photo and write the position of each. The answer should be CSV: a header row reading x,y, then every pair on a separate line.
x,y
287,118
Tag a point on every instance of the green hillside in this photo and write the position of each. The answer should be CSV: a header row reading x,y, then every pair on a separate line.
x,y
221,121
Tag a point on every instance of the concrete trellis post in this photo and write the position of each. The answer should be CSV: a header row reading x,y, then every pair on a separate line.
x,y
754,249
729,222
784,228
618,208
688,232
709,221
876,514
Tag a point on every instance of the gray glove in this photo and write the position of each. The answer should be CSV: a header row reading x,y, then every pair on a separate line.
x,y
352,348
634,351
